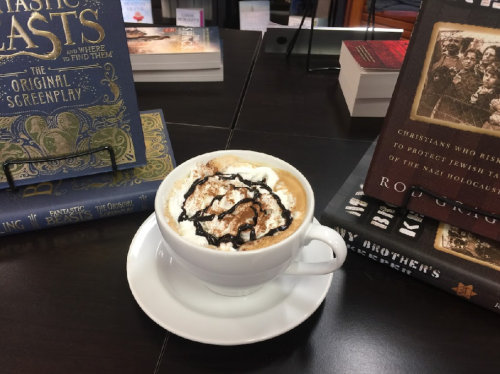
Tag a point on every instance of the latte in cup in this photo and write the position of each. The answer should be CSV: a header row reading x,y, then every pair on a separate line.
x,y
232,204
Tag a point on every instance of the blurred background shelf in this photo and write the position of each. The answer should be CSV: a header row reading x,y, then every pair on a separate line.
x,y
349,13
356,14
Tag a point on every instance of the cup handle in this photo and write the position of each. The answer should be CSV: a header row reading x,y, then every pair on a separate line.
x,y
336,243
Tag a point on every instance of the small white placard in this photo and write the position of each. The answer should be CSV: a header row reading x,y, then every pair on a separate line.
x,y
254,15
137,11
190,17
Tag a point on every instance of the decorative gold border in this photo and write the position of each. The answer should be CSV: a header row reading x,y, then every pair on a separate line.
x,y
14,74
444,26
94,66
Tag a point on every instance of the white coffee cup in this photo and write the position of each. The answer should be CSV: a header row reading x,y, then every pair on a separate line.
x,y
241,273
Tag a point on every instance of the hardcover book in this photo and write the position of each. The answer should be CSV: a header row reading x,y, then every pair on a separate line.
x,y
442,130
444,256
378,54
137,11
174,48
66,87
50,204
197,75
362,106
371,68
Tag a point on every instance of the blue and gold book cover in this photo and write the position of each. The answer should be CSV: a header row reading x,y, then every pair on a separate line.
x,y
55,203
66,87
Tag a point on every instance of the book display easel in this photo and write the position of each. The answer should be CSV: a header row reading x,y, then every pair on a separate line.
x,y
311,8
69,120
59,202
10,178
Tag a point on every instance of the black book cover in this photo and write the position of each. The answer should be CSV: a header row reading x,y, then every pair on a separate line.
x,y
455,260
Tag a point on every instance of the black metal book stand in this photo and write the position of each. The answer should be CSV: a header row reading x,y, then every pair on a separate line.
x,y
312,7
10,179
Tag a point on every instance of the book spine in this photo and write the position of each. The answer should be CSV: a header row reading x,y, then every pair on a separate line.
x,y
51,215
411,264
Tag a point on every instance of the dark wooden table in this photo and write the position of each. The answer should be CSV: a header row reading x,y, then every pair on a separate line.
x,y
65,304
214,104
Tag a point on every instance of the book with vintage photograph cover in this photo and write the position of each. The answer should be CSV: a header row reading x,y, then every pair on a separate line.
x,y
137,11
442,130
444,256
56,203
174,48
66,87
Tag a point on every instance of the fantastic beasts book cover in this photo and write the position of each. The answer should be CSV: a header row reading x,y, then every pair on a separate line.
x,y
442,130
66,87
75,200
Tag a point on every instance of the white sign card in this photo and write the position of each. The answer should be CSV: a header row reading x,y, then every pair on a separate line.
x,y
254,15
137,11
190,17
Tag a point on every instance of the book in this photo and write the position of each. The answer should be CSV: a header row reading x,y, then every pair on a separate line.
x,y
198,75
137,11
441,133
56,203
452,259
371,67
362,107
66,87
174,48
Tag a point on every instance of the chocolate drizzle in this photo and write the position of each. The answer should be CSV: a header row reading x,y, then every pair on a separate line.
x,y
253,202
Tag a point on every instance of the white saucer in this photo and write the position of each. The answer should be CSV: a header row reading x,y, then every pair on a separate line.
x,y
180,303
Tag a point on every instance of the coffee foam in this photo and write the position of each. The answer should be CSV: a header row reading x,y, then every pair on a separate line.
x,y
283,184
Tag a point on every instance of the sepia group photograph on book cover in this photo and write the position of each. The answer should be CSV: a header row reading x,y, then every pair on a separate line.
x,y
66,87
439,149
455,260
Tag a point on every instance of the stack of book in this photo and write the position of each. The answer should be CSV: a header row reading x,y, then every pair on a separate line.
x,y
175,54
425,200
455,260
368,74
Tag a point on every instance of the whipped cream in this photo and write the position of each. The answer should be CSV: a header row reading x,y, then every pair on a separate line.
x,y
227,207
